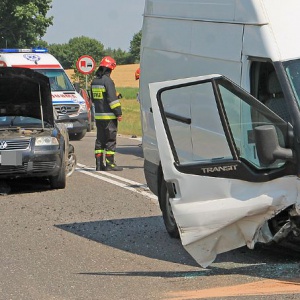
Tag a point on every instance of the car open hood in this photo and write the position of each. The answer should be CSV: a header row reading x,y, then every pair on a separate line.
x,y
24,92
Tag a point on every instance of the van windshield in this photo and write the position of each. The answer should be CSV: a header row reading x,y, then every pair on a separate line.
x,y
292,69
59,80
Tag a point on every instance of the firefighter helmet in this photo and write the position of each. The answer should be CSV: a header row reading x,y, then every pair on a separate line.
x,y
137,74
108,62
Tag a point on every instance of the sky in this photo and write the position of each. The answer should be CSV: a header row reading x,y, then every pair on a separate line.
x,y
111,22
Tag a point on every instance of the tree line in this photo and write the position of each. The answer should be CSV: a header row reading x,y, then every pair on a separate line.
x,y
68,54
23,23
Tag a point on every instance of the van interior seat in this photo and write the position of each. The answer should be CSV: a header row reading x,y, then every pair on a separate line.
x,y
276,101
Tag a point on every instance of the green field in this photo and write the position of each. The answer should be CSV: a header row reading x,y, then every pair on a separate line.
x,y
131,121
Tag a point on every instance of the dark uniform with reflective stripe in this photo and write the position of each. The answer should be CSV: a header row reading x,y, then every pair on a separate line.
x,y
107,109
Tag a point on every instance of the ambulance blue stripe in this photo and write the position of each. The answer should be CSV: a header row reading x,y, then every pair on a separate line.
x,y
66,101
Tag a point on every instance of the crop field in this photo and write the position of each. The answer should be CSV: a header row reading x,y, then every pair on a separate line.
x,y
123,76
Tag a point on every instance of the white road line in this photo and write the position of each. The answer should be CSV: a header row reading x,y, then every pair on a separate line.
x,y
135,186
114,176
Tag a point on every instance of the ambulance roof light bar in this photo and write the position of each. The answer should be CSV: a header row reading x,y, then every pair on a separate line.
x,y
31,50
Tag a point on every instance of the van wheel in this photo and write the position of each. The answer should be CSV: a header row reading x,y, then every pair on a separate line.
x,y
59,181
167,212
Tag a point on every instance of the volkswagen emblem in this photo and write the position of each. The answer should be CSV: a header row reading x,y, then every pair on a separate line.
x,y
63,110
3,145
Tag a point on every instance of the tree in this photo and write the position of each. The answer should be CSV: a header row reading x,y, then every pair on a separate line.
x,y
86,46
63,53
121,57
68,54
135,47
23,22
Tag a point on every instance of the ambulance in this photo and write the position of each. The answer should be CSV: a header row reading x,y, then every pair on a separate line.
x,y
67,102
220,110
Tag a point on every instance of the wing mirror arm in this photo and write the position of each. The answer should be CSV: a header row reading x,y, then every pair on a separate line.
x,y
268,148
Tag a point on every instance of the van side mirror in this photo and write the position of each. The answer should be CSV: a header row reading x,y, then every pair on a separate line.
x,y
268,148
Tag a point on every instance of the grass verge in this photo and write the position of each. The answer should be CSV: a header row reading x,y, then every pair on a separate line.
x,y
128,92
131,121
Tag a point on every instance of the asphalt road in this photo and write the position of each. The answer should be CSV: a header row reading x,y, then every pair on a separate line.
x,y
103,238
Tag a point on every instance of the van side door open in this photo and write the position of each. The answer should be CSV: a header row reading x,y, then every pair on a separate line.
x,y
228,163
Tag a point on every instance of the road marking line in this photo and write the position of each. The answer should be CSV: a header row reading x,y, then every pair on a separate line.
x,y
99,175
114,176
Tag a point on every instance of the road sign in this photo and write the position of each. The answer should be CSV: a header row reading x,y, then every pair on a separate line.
x,y
85,64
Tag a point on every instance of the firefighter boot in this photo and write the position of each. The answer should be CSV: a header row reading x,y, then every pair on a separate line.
x,y
99,163
111,165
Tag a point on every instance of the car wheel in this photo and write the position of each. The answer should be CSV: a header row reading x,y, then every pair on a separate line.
x,y
167,212
72,160
59,181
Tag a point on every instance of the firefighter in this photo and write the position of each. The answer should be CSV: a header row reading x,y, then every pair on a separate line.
x,y
137,74
107,114
137,77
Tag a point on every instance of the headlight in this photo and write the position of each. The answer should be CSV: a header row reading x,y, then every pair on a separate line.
x,y
46,141
82,108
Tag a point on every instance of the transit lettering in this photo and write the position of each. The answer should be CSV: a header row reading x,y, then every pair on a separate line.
x,y
219,169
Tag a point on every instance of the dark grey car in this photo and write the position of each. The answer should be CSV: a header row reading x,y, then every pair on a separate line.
x,y
32,143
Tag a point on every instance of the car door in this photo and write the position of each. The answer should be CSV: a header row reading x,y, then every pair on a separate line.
x,y
222,190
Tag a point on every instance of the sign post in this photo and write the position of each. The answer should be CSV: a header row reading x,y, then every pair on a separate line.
x,y
85,65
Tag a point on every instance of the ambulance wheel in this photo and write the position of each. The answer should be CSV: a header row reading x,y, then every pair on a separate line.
x,y
167,212
77,136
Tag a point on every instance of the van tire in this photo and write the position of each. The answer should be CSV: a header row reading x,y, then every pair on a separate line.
x,y
59,181
167,213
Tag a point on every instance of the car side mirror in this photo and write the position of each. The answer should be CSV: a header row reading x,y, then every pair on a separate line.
x,y
268,148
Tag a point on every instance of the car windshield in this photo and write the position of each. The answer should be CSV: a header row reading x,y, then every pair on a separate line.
x,y
59,80
21,121
292,69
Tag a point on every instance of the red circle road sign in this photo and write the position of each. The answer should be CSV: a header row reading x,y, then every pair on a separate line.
x,y
85,64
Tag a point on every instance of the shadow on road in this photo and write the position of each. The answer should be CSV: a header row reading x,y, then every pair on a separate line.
x,y
142,236
147,237
24,185
130,150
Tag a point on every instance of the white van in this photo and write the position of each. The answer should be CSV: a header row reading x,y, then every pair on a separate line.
x,y
69,105
224,165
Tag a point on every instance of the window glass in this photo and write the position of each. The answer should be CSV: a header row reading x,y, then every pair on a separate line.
x,y
292,68
59,80
197,133
242,119
195,125
21,121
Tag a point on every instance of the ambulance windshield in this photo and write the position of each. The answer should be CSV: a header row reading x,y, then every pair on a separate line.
x,y
59,81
